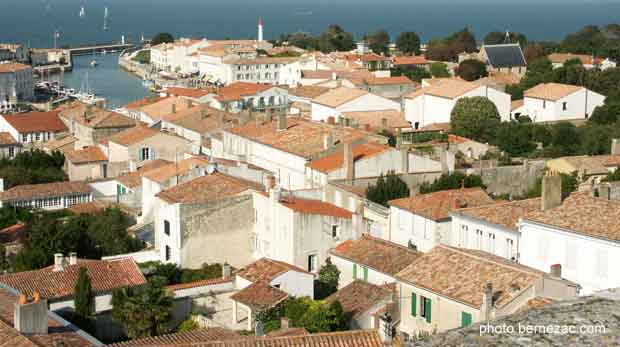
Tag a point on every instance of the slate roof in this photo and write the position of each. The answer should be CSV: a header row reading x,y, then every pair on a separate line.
x,y
359,296
505,55
35,122
104,275
375,253
44,190
503,214
266,270
437,205
259,296
207,188
583,214
192,336
464,273
335,161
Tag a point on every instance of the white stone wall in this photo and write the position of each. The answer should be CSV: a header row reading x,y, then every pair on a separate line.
x,y
467,232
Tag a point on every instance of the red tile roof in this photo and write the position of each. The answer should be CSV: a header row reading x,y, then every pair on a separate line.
x,y
199,283
503,214
94,117
89,154
6,139
437,205
13,233
192,336
165,172
266,270
134,179
339,96
104,275
317,207
259,296
410,60
207,188
358,297
335,161
143,102
36,122
373,120
134,135
44,190
376,81
188,92
237,90
375,253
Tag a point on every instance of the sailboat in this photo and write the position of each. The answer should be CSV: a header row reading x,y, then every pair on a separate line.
x,y
82,12
106,15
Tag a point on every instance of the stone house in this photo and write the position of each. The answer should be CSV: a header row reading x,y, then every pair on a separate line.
x,y
88,163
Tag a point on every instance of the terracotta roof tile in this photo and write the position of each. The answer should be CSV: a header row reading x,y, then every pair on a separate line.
x,y
266,270
188,92
515,104
446,88
164,107
134,135
586,164
104,275
437,205
551,91
339,96
410,60
13,233
583,214
192,336
12,67
36,122
288,332
134,179
207,188
143,102
561,58
44,190
165,172
503,214
464,273
259,296
89,154
335,161
94,117
201,118
377,81
308,91
317,207
359,296
301,137
6,139
378,254
317,74
58,143
199,283
373,119
237,90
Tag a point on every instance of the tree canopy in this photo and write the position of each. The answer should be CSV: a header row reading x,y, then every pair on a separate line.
x,y
329,276
162,38
454,180
408,42
316,316
476,118
387,188
439,70
447,49
379,42
32,167
413,73
83,298
498,38
334,38
472,69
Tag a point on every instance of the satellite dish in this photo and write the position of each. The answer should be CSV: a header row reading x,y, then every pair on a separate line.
x,y
211,169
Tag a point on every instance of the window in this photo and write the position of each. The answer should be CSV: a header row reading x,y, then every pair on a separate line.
x,y
509,244
491,243
145,153
479,239
312,262
544,103
37,136
564,106
465,319
168,253
166,227
463,236
335,232
425,308
11,151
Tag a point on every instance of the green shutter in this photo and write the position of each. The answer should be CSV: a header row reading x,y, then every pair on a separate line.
x,y
365,274
413,304
465,319
354,272
140,157
118,189
427,310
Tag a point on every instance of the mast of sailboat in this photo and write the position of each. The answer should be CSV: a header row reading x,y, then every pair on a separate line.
x,y
106,15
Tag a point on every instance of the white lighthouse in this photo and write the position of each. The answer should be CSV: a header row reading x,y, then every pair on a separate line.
x,y
260,29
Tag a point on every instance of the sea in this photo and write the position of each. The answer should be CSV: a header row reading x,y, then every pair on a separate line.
x,y
34,22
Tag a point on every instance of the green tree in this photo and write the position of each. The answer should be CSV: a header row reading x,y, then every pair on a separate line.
x,y
329,276
143,311
475,118
472,69
498,38
408,42
514,138
454,180
187,325
379,42
608,113
32,167
439,70
534,51
162,38
302,40
387,188
323,316
83,294
414,73
612,176
334,38
570,183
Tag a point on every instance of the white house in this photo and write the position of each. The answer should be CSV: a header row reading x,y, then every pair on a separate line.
x,y
47,196
178,56
16,85
342,99
553,102
364,303
240,96
491,228
587,61
433,103
370,259
450,288
581,234
423,221
32,127
299,231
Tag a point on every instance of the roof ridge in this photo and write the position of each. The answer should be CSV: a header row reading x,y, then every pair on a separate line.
x,y
521,268
386,242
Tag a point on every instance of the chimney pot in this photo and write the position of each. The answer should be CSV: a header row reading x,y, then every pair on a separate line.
x,y
58,261
30,317
72,258
226,271
551,191
348,161
556,270
284,323
282,121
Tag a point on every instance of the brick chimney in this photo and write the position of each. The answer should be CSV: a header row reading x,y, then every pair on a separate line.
x,y
30,314
615,146
486,307
348,161
282,121
551,191
556,271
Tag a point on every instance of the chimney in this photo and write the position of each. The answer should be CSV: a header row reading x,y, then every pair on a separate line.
x,y
73,258
384,124
604,191
271,183
284,323
487,302
328,141
281,121
404,159
386,329
226,271
551,191
30,314
348,161
174,108
331,120
615,146
204,113
1,184
188,102
556,271
58,262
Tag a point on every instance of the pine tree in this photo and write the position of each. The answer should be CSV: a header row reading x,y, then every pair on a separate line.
x,y
83,294
387,188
